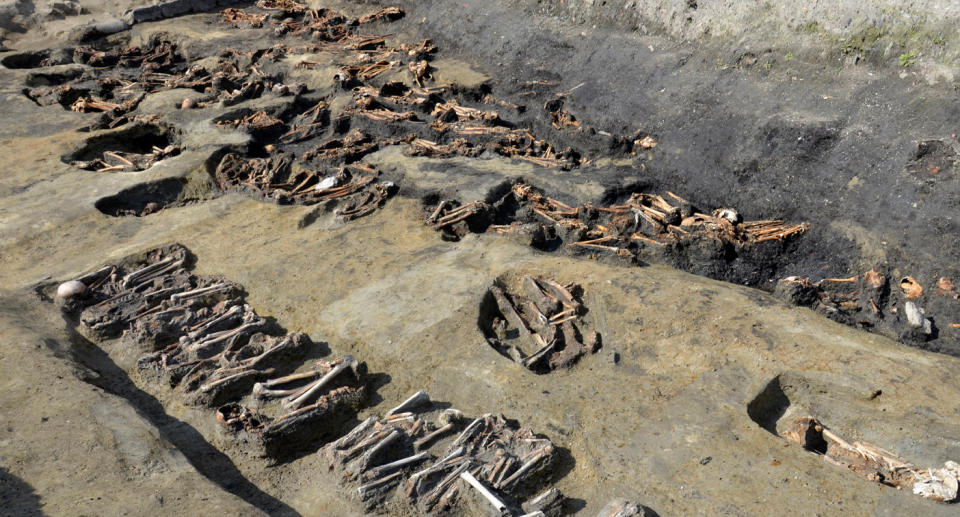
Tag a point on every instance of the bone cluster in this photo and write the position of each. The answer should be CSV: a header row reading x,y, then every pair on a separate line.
x,y
433,460
199,340
548,319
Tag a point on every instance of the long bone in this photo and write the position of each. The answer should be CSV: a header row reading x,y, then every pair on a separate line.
x,y
253,322
348,362
203,327
355,434
436,213
210,386
222,286
409,460
539,354
417,399
507,465
261,389
484,491
543,453
449,419
441,487
373,451
371,439
128,280
456,455
363,489
470,430
252,362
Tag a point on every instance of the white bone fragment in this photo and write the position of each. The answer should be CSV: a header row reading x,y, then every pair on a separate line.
x,y
487,494
417,399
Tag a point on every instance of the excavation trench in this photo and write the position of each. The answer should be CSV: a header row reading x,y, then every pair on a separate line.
x,y
345,146
303,133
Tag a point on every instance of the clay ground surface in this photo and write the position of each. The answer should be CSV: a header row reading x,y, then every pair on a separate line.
x,y
659,415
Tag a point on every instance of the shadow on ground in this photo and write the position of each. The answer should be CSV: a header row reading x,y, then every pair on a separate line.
x,y
207,459
17,497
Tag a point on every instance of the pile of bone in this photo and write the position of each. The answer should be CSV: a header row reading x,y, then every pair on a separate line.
x,y
117,80
646,220
869,300
198,337
297,408
873,463
357,187
645,224
117,161
545,322
469,131
457,465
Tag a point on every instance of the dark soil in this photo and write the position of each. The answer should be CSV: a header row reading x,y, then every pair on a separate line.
x,y
841,148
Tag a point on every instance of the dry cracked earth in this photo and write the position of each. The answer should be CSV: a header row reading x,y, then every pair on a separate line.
x,y
343,258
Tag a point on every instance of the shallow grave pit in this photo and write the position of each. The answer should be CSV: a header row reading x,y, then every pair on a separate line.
x,y
131,149
537,322
800,409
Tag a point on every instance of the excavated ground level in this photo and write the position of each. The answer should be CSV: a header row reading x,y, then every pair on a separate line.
x,y
682,407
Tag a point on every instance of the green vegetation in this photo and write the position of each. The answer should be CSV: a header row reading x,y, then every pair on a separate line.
x,y
788,57
862,40
811,28
907,59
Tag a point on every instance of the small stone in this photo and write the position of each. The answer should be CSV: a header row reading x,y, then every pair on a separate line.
x,y
917,318
328,182
188,103
622,508
270,148
71,289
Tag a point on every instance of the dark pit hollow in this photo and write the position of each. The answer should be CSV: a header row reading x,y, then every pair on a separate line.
x,y
144,199
140,139
932,159
61,76
22,60
769,406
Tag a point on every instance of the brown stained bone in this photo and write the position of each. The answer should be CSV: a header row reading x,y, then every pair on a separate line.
x,y
257,123
573,348
867,460
321,409
560,293
458,214
307,124
388,13
420,70
383,454
119,297
458,147
547,303
299,399
372,199
645,224
546,317
509,311
159,326
288,6
237,16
